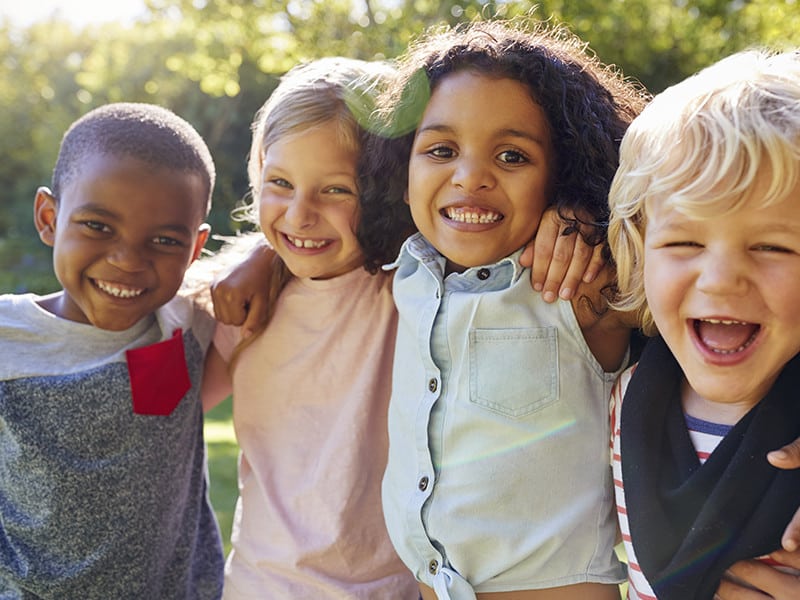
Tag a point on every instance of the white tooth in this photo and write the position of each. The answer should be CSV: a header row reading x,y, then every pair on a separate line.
x,y
305,243
118,292
723,322
472,217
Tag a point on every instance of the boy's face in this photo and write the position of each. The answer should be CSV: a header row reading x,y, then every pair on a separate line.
x,y
308,203
479,169
123,233
724,293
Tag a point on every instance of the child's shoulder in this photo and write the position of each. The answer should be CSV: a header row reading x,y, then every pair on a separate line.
x,y
10,301
19,313
186,314
30,337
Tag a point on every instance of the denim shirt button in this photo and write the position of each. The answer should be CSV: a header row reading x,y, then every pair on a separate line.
x,y
433,385
423,483
483,274
433,566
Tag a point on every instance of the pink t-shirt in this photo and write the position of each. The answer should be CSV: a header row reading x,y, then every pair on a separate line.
x,y
309,409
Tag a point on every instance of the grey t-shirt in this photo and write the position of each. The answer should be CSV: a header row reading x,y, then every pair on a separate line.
x,y
96,500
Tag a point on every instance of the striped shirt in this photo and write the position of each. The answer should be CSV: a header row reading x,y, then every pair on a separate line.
x,y
704,435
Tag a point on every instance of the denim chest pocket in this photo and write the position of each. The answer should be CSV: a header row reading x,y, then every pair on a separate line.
x,y
513,371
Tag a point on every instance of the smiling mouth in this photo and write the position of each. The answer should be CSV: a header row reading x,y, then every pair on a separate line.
x,y
724,336
471,215
118,291
306,242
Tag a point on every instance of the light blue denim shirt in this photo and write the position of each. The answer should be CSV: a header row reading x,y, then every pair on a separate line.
x,y
498,476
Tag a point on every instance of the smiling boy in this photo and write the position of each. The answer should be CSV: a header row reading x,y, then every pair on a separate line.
x,y
705,231
103,490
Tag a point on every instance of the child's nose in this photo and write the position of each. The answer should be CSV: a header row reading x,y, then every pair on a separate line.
x,y
300,212
127,257
722,274
472,174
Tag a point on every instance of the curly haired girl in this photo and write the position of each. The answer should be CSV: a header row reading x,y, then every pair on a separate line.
x,y
498,482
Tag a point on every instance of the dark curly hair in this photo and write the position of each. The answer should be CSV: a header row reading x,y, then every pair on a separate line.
x,y
588,105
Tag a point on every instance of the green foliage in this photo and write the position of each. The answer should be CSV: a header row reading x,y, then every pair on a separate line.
x,y
215,62
223,454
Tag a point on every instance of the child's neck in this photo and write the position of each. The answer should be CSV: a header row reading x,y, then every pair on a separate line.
x,y
451,267
721,413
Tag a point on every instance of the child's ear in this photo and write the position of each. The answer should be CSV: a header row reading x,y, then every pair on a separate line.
x,y
45,211
405,196
202,238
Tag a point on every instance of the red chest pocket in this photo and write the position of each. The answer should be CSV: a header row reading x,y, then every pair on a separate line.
x,y
159,376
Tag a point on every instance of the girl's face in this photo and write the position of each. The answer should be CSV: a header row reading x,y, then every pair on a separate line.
x,y
308,203
480,168
723,292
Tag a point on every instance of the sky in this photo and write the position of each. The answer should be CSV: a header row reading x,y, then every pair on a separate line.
x,y
79,12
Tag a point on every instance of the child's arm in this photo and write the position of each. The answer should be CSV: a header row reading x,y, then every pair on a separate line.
x,y
768,581
240,294
560,261
771,582
560,258
607,332
216,379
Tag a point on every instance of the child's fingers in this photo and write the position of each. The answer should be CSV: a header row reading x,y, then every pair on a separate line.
x,y
787,558
791,539
596,264
787,457
552,259
543,248
580,260
230,307
560,258
731,591
256,315
754,580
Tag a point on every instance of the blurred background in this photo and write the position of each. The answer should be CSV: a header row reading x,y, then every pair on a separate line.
x,y
214,62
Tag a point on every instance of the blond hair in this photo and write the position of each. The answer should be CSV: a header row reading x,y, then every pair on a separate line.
x,y
700,147
328,90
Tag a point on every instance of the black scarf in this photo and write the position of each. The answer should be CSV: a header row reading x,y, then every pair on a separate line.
x,y
690,523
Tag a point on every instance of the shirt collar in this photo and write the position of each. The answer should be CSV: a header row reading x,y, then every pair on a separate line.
x,y
491,277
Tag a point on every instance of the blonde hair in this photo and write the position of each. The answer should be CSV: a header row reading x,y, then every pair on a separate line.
x,y
700,147
333,89
329,90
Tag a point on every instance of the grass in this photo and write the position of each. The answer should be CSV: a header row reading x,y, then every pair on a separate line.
x,y
223,453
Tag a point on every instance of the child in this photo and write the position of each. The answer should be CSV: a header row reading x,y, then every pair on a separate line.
x,y
311,389
705,229
103,490
336,322
497,483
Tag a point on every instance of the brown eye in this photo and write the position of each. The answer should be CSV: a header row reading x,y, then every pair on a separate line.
x,y
512,157
441,152
96,226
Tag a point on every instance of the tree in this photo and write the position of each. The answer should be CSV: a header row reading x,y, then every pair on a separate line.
x,y
215,62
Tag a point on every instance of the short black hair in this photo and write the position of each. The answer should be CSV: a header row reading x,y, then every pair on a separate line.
x,y
150,133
